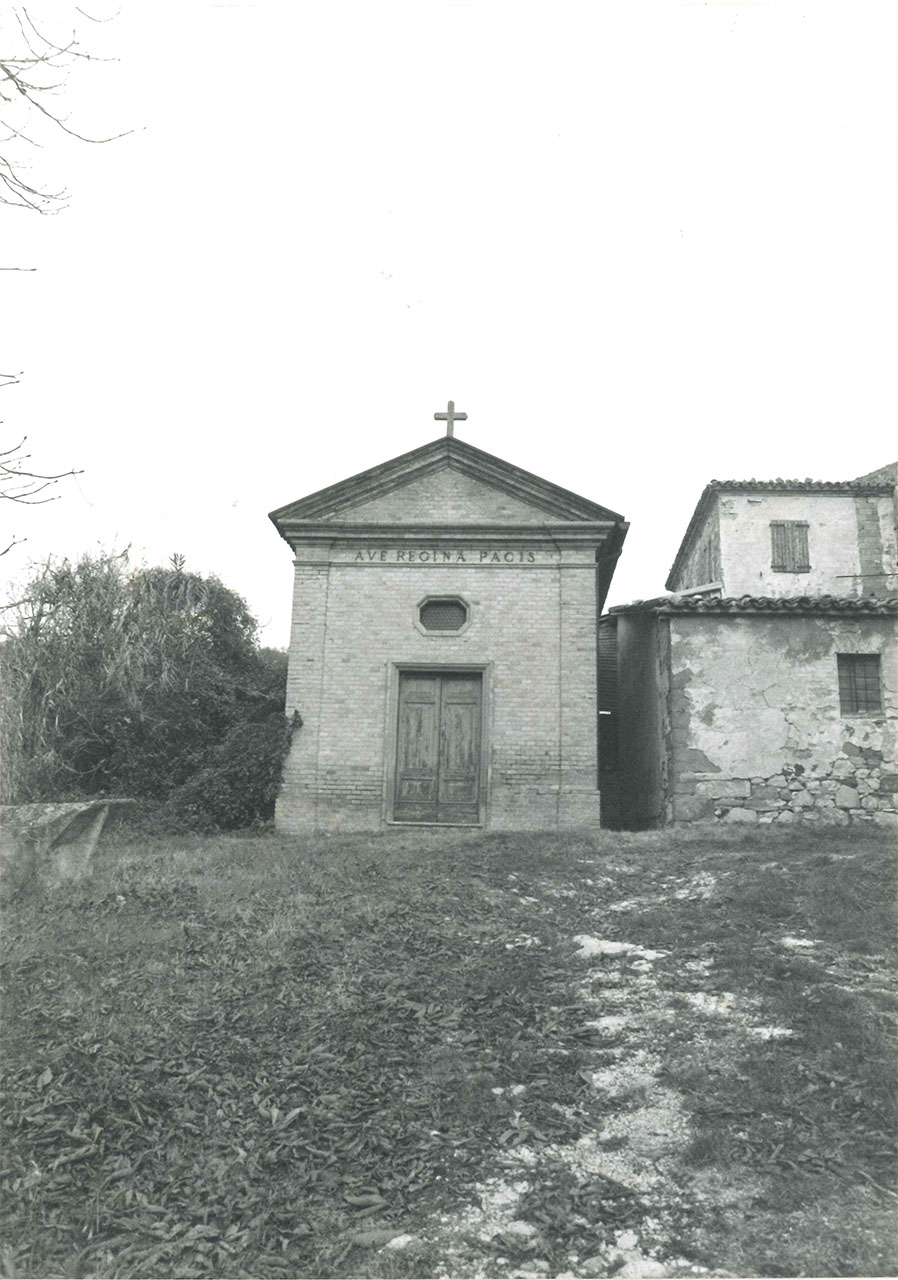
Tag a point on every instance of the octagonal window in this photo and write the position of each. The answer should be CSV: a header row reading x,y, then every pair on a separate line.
x,y
443,615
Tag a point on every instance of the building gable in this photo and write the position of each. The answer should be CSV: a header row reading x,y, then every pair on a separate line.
x,y
445,482
446,496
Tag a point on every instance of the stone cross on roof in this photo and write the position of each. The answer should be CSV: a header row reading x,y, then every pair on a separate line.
x,y
450,417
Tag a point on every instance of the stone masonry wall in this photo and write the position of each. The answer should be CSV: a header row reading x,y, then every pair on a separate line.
x,y
756,732
532,622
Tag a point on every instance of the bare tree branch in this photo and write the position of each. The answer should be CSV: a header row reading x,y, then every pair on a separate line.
x,y
90,17
18,484
34,72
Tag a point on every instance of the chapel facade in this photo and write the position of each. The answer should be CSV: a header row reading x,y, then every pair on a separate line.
x,y
442,662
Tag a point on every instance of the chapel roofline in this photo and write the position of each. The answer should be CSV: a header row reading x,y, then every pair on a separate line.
x,y
880,483
558,503
330,531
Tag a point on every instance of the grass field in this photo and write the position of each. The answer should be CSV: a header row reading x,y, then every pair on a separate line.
x,y
435,1054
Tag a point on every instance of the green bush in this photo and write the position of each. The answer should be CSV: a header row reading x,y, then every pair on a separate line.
x,y
119,681
237,781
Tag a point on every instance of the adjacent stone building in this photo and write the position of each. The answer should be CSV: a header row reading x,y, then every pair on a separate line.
x,y
777,538
443,647
765,687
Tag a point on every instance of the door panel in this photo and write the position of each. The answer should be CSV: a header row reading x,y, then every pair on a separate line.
x,y
459,781
438,751
417,758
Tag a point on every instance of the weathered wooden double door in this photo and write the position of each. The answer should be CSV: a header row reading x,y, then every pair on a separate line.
x,y
438,747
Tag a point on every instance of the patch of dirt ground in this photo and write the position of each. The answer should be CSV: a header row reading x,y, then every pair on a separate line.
x,y
639,1145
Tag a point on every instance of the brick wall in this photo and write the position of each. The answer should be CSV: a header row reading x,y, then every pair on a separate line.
x,y
532,625
444,496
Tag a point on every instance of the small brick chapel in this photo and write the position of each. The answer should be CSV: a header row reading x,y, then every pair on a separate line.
x,y
443,646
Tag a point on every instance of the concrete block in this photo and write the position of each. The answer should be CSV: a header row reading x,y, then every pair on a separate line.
x,y
48,845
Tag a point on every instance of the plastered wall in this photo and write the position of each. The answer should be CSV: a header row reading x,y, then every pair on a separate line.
x,y
851,544
755,729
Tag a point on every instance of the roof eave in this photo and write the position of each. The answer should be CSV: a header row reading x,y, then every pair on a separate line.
x,y
603,532
775,606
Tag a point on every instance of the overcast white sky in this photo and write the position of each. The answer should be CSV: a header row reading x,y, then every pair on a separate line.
x,y
641,245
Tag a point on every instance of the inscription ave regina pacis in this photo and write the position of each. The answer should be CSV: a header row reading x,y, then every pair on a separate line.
x,y
436,555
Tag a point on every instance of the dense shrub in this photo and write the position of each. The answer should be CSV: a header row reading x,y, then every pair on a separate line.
x,y
237,782
124,681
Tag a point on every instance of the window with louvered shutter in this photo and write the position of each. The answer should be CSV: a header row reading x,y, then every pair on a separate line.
x,y
789,546
443,615
859,687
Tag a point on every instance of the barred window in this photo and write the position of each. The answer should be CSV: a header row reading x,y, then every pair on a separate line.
x,y
443,615
789,546
859,689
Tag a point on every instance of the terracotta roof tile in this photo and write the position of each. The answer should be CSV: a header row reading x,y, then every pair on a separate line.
x,y
875,480
852,606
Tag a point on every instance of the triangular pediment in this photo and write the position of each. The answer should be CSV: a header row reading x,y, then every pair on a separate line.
x,y
445,496
445,482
